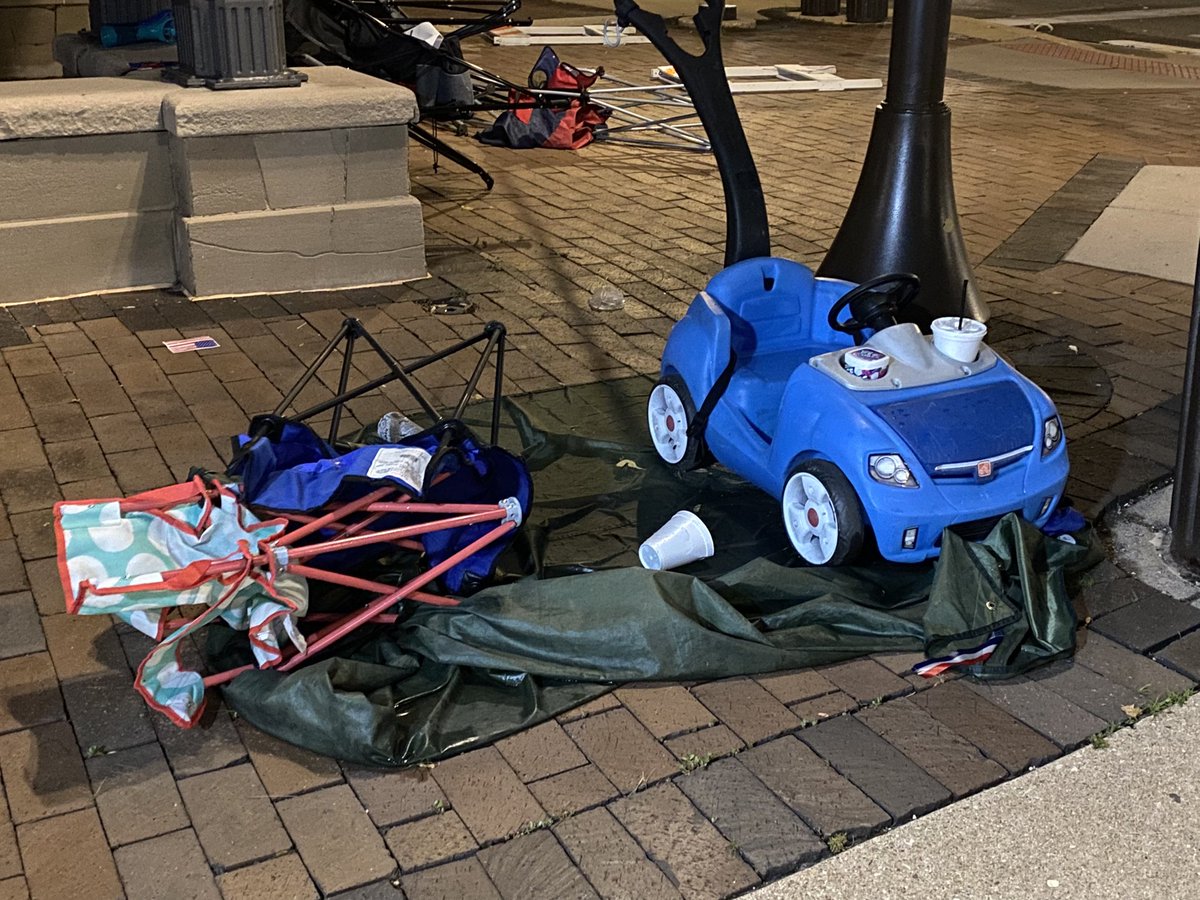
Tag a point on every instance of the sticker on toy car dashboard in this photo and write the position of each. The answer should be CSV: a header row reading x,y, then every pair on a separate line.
x,y
404,463
866,363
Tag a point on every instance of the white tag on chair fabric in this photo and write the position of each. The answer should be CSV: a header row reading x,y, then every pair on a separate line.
x,y
405,464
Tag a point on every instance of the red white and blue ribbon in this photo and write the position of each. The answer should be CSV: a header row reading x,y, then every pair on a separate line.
x,y
938,665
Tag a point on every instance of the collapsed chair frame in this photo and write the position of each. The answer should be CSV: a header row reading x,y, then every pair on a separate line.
x,y
267,543
377,504
493,336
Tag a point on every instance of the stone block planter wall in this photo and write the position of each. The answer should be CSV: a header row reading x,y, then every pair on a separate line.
x,y
27,31
119,183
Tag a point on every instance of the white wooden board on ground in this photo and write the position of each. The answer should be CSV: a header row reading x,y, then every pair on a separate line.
x,y
779,79
525,35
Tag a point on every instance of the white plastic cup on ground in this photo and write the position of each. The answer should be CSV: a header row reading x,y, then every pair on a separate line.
x,y
607,298
684,539
960,344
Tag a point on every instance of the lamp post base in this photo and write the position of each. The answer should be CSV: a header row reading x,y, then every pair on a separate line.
x,y
903,216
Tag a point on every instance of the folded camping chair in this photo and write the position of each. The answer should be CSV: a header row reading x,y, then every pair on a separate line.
x,y
183,545
199,544
372,36
304,510
568,126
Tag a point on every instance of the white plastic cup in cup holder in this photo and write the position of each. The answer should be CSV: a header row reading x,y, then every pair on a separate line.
x,y
961,344
684,539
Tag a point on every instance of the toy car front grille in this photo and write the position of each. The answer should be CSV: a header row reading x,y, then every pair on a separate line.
x,y
972,469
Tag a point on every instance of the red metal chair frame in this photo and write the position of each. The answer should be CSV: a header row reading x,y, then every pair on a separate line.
x,y
282,554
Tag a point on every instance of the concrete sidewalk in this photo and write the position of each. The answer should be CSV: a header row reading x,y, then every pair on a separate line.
x,y
1114,822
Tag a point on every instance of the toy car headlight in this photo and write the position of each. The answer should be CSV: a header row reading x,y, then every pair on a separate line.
x,y
1051,434
890,468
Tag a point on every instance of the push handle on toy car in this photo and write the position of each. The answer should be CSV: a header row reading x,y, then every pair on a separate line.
x,y
747,230
875,304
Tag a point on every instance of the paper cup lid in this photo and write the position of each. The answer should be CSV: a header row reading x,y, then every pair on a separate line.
x,y
866,363
970,327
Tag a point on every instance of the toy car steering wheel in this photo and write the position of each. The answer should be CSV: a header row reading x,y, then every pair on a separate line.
x,y
874,308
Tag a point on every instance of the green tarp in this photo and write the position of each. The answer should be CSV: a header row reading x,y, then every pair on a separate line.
x,y
557,633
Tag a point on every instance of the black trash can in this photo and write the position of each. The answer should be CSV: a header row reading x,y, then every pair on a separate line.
x,y
820,7
866,10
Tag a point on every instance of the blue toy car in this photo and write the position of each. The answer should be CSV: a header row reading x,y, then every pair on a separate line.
x,y
859,425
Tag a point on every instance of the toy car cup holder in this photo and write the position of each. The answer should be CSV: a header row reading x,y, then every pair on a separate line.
x,y
866,363
684,539
961,344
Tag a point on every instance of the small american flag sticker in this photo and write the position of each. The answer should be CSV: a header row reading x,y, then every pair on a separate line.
x,y
186,345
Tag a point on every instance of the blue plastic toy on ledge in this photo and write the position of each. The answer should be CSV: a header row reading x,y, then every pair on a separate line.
x,y
159,27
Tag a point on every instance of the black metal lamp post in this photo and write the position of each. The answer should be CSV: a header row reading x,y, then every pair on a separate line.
x,y
1185,502
903,216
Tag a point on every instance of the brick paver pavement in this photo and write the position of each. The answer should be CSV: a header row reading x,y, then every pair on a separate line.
x,y
623,797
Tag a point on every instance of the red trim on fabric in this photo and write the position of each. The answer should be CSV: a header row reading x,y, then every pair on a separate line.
x,y
161,630
120,589
204,618
271,649
73,602
269,586
60,548
169,495
166,710
191,575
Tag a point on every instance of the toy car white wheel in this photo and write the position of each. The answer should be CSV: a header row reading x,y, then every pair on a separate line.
x,y
821,514
669,413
